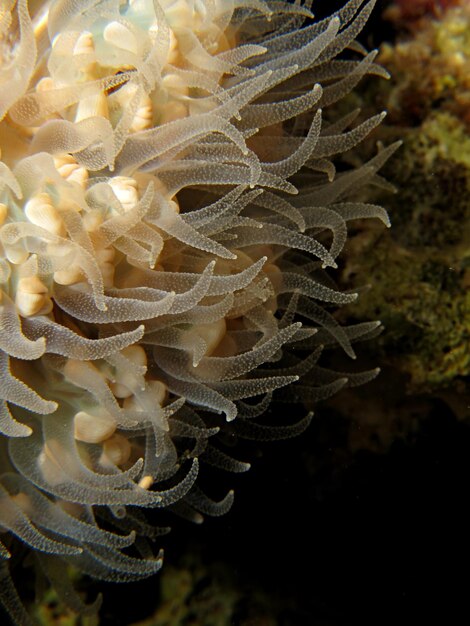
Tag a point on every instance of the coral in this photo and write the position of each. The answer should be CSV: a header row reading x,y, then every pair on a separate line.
x,y
169,208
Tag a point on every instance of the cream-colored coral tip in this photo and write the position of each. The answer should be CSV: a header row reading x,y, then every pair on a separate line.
x,y
40,211
32,297
84,44
17,253
32,284
125,190
93,428
48,466
69,276
143,118
29,304
70,170
275,275
145,482
158,390
173,49
92,220
135,354
154,388
105,258
243,260
143,179
212,334
119,35
24,502
92,106
124,387
45,84
181,13
3,212
116,449
120,390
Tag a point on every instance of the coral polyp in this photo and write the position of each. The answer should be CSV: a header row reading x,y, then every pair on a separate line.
x,y
168,207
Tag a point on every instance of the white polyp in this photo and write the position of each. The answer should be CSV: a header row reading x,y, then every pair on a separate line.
x,y
84,44
143,119
212,334
40,211
51,471
95,105
69,276
124,383
45,84
92,220
32,297
173,49
93,427
120,36
116,450
146,482
155,394
135,354
70,170
125,190
24,502
159,391
16,253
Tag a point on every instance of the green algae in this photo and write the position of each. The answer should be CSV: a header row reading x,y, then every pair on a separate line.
x,y
419,271
187,601
51,611
196,593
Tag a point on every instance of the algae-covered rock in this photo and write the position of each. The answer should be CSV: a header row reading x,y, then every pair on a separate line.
x,y
52,610
419,271
195,592
429,66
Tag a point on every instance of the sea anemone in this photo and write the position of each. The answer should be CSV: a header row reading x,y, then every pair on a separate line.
x,y
168,208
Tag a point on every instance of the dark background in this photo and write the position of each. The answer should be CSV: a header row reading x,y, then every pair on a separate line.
x,y
369,539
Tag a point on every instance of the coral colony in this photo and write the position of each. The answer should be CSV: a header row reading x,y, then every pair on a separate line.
x,y
168,209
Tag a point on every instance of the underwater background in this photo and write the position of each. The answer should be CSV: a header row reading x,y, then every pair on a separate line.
x,y
364,518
